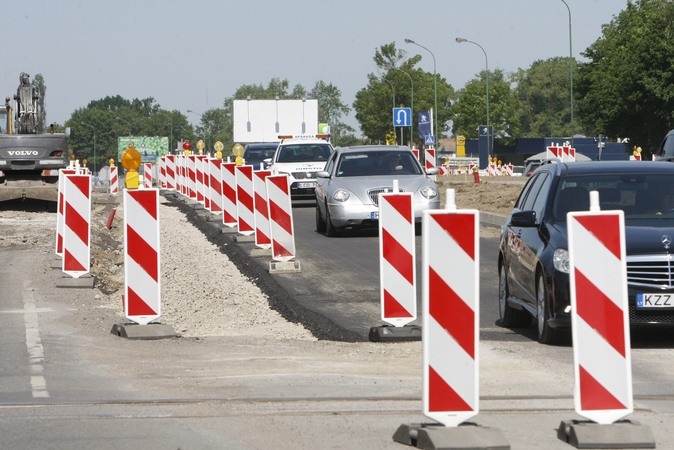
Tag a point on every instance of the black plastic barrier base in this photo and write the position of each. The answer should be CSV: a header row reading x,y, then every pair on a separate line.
x,y
389,333
149,331
434,436
621,434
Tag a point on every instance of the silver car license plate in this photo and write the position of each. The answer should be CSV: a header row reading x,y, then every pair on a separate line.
x,y
660,301
306,185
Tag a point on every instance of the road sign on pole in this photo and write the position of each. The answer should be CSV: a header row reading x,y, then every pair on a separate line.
x,y
402,117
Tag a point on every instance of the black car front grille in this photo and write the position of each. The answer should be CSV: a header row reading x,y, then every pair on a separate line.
x,y
650,271
374,194
650,315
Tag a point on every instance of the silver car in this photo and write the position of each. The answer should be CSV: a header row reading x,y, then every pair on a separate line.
x,y
347,190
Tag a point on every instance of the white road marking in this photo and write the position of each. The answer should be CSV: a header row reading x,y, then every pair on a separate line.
x,y
34,343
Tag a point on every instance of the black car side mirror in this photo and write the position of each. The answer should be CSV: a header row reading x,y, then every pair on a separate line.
x,y
523,219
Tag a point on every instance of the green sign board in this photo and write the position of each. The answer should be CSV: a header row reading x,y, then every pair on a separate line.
x,y
150,148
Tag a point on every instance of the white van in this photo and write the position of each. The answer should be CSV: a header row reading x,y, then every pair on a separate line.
x,y
301,157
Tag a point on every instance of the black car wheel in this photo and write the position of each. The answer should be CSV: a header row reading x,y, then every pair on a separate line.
x,y
320,223
330,229
546,334
510,317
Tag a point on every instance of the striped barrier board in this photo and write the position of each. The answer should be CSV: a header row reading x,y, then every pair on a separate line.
x,y
59,208
206,186
397,266
280,218
244,200
162,173
262,228
229,212
170,172
199,168
429,160
191,175
142,281
215,183
600,314
114,180
450,330
147,176
77,225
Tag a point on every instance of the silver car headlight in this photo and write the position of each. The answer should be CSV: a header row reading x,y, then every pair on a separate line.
x,y
341,195
429,192
560,259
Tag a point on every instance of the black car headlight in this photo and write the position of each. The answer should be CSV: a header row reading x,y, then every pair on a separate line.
x,y
341,195
428,192
560,259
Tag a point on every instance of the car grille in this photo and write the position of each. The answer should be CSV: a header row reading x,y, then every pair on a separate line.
x,y
651,271
374,194
303,175
650,315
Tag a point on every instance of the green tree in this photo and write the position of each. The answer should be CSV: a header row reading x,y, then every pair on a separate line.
x,y
627,87
330,110
470,109
374,103
41,88
543,91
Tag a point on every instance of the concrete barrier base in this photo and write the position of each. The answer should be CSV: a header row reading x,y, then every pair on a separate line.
x,y
260,252
76,283
56,264
284,267
244,238
389,333
229,230
434,436
621,434
149,331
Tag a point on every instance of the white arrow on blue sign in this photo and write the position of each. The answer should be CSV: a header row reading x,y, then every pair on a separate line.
x,y
402,117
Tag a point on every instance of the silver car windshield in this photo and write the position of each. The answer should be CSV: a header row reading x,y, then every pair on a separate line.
x,y
640,196
365,164
304,153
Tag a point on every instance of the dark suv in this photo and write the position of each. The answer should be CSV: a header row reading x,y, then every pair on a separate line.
x,y
533,259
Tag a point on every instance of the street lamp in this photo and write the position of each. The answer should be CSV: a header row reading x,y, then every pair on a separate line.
x,y
460,40
207,132
570,70
126,122
412,101
94,129
435,89
392,91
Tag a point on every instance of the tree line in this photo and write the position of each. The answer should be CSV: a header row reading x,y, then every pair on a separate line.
x,y
625,89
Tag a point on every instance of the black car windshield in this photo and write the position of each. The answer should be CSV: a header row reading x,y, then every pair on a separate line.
x,y
365,164
304,153
256,155
640,196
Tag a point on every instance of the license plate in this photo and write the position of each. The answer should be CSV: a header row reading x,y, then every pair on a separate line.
x,y
664,301
374,215
306,185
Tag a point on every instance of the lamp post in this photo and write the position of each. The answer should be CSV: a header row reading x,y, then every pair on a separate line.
x,y
171,138
94,129
208,137
126,122
460,40
435,89
570,70
412,101
392,91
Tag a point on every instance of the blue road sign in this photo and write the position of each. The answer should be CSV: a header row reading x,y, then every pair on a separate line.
x,y
429,140
402,117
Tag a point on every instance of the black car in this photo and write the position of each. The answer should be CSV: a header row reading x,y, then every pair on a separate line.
x,y
533,259
255,154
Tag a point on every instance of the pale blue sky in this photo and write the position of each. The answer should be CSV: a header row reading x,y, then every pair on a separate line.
x,y
191,55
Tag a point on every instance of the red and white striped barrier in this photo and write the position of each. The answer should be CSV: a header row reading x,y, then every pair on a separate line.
x,y
77,225
180,171
147,176
262,227
451,305
244,200
215,183
142,290
162,172
191,175
170,171
229,213
199,167
60,207
114,180
397,261
206,186
280,218
599,319
415,151
429,163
